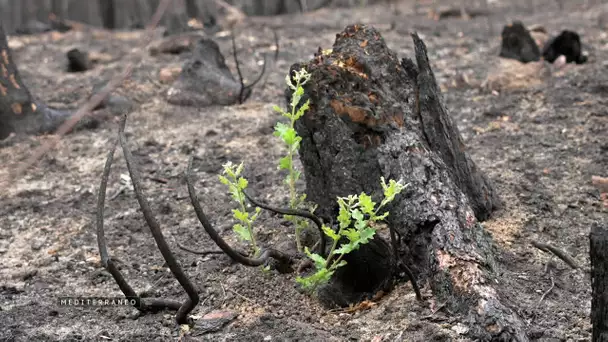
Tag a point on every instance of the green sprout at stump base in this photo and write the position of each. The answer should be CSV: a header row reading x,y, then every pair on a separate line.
x,y
354,218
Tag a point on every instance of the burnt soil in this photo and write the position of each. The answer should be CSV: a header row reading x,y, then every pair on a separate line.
x,y
540,145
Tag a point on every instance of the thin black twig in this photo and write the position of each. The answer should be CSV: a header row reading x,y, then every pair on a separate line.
x,y
238,68
547,292
545,247
295,212
250,86
219,241
108,263
402,264
175,268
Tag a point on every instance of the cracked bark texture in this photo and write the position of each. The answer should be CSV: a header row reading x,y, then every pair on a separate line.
x,y
372,115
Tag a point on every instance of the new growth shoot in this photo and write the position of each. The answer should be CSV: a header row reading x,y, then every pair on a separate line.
x,y
290,138
355,217
236,184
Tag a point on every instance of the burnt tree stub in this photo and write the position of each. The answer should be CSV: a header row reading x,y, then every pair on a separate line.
x,y
372,115
598,251
205,79
517,43
19,111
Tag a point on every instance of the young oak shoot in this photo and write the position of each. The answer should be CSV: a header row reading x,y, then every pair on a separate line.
x,y
288,135
354,218
236,184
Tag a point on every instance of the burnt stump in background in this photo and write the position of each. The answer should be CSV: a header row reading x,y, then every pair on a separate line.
x,y
517,43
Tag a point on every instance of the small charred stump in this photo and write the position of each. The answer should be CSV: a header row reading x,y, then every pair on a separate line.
x,y
568,44
599,282
517,43
372,115
206,80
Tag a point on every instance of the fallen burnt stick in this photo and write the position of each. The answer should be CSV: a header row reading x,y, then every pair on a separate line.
x,y
371,116
265,255
517,43
598,251
107,262
296,212
545,247
193,298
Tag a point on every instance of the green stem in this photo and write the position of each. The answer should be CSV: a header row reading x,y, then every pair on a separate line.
x,y
249,226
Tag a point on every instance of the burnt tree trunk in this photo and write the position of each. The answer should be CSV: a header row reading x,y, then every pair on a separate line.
x,y
598,251
19,111
371,116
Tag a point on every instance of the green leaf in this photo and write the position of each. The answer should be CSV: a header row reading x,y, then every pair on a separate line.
x,y
241,216
330,233
239,169
277,109
351,234
224,180
242,232
367,205
346,248
242,183
289,136
357,214
280,129
285,163
258,210
302,110
318,260
366,235
361,224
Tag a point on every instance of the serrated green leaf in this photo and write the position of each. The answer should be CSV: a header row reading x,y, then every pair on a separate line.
x,y
318,260
330,233
285,163
242,232
240,215
381,217
367,205
357,214
242,183
361,224
302,110
346,248
289,136
239,169
277,109
280,129
351,234
257,213
224,180
366,235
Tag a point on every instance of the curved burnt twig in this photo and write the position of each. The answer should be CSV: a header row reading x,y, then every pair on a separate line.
x,y
402,265
244,94
177,271
295,212
108,263
213,234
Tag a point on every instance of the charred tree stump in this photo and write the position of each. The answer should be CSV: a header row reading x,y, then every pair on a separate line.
x,y
19,111
370,116
598,251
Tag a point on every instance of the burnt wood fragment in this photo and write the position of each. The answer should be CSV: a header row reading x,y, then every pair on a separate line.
x,y
372,115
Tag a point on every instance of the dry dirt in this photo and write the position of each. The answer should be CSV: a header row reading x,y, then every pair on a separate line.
x,y
539,142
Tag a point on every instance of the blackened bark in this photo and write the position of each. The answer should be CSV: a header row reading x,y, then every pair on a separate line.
x,y
598,251
19,111
371,116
